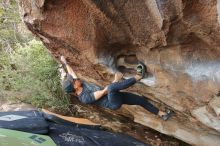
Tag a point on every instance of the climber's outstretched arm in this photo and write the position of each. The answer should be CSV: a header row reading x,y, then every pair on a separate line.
x,y
69,69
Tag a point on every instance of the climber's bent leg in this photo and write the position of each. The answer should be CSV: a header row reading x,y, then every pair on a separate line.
x,y
117,86
114,96
114,100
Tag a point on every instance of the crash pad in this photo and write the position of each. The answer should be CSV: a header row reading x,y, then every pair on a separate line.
x,y
27,121
75,136
18,138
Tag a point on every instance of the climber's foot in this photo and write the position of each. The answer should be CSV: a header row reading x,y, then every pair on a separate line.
x,y
168,114
141,69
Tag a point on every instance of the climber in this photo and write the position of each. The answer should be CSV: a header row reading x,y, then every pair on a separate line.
x,y
109,97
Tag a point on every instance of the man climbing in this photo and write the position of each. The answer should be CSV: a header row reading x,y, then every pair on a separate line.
x,y
109,97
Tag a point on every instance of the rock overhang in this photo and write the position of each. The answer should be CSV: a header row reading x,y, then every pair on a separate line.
x,y
177,40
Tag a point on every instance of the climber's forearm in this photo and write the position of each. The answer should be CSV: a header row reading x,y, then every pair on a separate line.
x,y
99,94
70,71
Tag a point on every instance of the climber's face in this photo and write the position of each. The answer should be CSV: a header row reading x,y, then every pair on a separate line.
x,y
77,84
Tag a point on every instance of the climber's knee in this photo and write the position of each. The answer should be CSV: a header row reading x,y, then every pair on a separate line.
x,y
114,106
111,88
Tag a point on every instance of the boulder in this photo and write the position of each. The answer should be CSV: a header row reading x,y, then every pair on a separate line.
x,y
177,40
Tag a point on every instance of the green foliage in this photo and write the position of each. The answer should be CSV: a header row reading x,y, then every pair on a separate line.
x,y
33,72
27,71
11,30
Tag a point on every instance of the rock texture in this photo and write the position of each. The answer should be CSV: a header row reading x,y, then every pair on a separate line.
x,y
177,40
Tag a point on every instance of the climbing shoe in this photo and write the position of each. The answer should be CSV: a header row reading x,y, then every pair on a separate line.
x,y
141,69
169,113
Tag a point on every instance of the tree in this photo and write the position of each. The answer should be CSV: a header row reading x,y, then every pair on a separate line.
x,y
11,27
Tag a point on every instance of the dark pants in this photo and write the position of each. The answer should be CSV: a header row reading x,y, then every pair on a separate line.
x,y
117,98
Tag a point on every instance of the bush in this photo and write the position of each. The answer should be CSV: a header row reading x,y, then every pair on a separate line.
x,y
33,72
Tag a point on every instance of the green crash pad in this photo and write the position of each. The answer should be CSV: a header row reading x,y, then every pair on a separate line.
x,y
17,138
